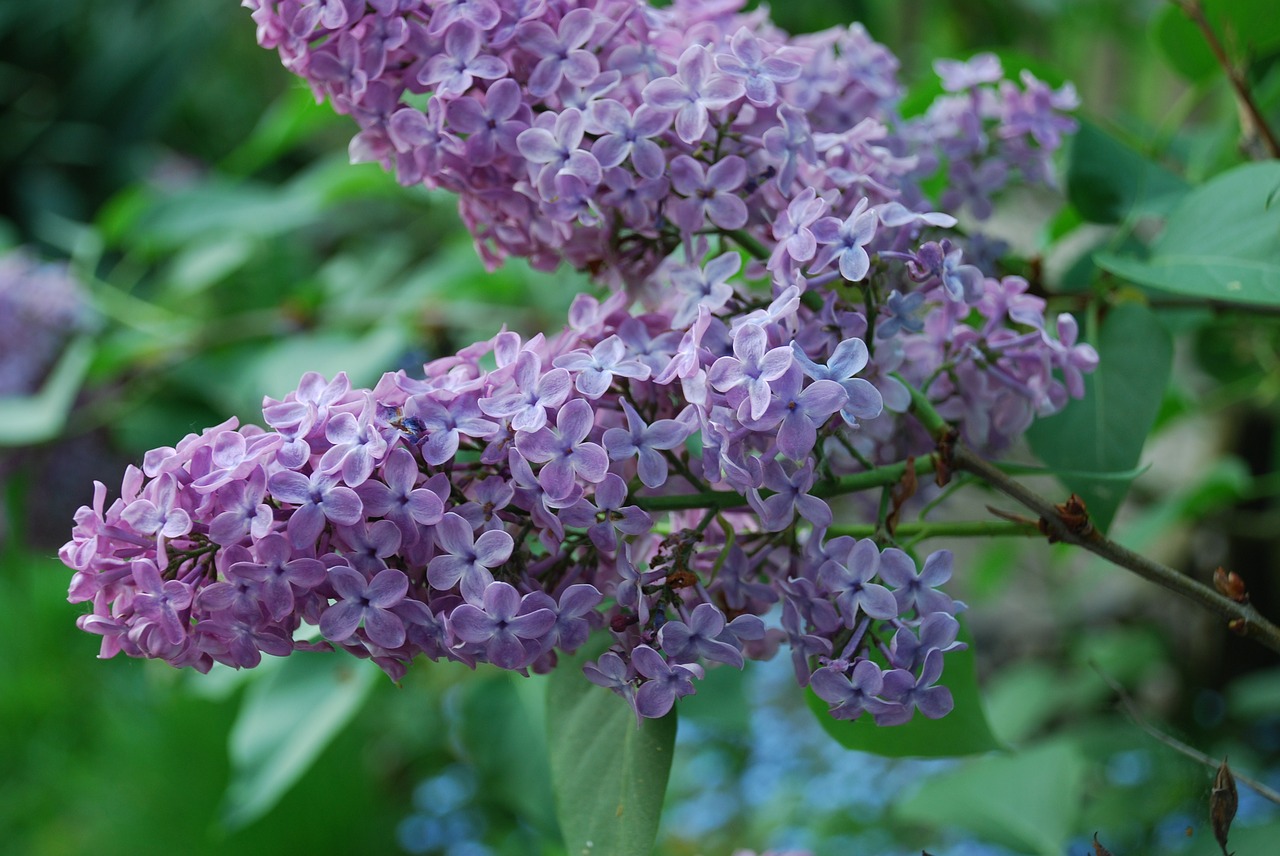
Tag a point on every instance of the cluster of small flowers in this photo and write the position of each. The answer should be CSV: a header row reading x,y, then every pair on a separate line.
x,y
41,305
607,132
500,514
662,471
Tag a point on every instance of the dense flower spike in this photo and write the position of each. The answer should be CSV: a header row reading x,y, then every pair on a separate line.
x,y
555,123
670,464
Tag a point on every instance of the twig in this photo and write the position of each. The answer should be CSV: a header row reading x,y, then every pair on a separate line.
x,y
1242,618
1195,11
1174,743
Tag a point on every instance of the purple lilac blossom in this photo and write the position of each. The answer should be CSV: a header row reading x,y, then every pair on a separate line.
x,y
443,515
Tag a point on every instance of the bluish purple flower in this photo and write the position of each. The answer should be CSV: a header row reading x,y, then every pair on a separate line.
x,y
368,602
647,442
849,357
916,693
798,412
469,560
501,626
851,696
665,683
790,485
608,516
686,643
918,591
848,575
900,314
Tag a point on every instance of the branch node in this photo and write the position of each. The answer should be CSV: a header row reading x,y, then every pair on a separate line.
x,y
945,456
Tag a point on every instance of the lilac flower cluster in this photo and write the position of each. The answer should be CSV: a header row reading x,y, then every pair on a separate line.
x,y
607,132
663,468
501,514
41,305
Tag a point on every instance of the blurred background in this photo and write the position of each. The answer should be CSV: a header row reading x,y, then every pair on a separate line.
x,y
181,233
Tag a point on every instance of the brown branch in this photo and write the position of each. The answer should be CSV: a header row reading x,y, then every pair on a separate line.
x,y
1241,617
1195,11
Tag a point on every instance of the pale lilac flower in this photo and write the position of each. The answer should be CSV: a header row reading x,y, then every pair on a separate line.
x,y
751,366
844,242
319,498
709,195
453,71
911,693
280,574
647,442
563,452
761,74
561,52
625,135
595,370
849,357
693,91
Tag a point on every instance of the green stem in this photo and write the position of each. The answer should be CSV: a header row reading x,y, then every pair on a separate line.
x,y
750,243
944,529
725,499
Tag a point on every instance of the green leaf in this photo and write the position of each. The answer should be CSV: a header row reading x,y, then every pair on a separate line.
x,y
1108,182
1105,430
1221,242
609,776
1028,801
1252,25
964,731
502,720
40,417
287,718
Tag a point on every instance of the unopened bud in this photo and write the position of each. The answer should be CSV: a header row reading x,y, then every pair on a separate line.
x,y
1223,801
1229,584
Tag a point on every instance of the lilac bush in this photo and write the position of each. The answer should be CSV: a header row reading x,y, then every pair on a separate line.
x,y
669,468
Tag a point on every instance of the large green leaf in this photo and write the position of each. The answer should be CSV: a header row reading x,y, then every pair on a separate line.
x,y
1028,801
504,734
609,775
964,731
287,718
1108,182
1105,430
1222,241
